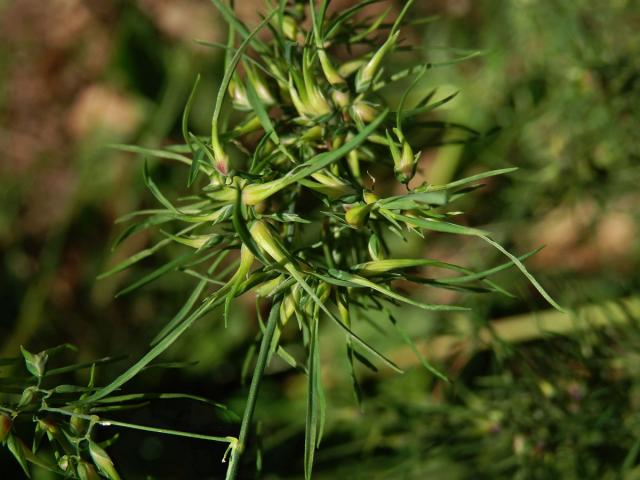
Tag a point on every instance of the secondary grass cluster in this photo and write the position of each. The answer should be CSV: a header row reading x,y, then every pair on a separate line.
x,y
553,408
290,195
52,424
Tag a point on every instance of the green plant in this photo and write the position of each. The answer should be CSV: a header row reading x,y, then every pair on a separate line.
x,y
559,407
301,193
34,393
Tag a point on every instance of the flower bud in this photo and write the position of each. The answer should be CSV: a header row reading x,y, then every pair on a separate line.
x,y
331,74
363,112
377,267
343,310
313,133
288,307
238,94
324,290
547,389
28,396
49,426
405,162
376,250
246,262
290,28
265,240
316,101
367,73
78,424
103,461
348,68
358,215
5,426
406,168
296,99
250,125
221,159
257,192
332,191
313,98
222,163
35,363
353,161
370,197
265,289
340,98
64,462
260,86
330,180
222,194
86,471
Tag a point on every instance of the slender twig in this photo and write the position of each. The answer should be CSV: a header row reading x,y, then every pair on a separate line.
x,y
263,354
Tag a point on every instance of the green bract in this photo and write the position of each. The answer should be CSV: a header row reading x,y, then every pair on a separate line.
x,y
283,185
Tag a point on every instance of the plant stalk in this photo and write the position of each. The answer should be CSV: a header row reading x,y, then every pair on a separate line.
x,y
263,354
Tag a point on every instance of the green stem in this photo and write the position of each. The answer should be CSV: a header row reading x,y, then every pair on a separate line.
x,y
263,354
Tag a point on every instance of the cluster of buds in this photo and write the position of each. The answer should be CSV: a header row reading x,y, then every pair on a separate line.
x,y
286,186
404,160
56,417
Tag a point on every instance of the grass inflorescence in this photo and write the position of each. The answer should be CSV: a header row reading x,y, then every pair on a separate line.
x,y
284,200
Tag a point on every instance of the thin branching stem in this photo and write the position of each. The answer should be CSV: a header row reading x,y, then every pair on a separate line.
x,y
261,364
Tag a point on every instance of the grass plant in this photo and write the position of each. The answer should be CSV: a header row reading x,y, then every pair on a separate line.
x,y
305,176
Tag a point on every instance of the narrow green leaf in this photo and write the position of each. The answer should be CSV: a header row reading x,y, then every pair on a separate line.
x,y
194,170
155,190
313,399
18,450
467,180
363,282
82,365
152,153
195,295
438,225
425,363
486,273
356,339
182,313
141,255
186,113
151,355
407,114
157,273
231,67
261,112
526,273
137,227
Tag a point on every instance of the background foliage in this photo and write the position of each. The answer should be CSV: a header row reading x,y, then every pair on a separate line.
x,y
556,93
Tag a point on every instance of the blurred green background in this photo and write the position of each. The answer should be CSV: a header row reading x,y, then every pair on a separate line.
x,y
556,93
